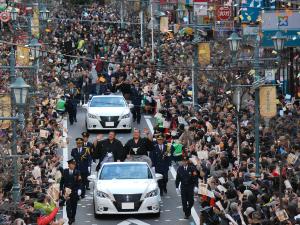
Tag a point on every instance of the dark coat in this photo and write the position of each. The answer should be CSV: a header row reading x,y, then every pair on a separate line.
x,y
70,181
83,159
136,97
143,146
161,160
188,178
105,146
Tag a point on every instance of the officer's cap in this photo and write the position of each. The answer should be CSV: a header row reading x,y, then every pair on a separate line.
x,y
85,134
160,137
185,158
79,140
71,161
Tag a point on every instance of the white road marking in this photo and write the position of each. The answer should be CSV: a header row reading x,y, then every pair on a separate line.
x,y
124,223
65,159
149,124
173,172
137,222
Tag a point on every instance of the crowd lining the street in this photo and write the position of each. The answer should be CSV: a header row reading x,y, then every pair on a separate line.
x,y
105,59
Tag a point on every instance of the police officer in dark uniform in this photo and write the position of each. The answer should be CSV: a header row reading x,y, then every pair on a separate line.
x,y
71,179
71,107
161,160
136,100
187,177
89,145
82,157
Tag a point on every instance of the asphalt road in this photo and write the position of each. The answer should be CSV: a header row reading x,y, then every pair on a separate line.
x,y
171,209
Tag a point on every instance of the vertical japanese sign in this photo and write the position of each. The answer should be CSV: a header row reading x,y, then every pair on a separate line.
x,y
22,56
204,54
267,98
35,22
5,110
164,24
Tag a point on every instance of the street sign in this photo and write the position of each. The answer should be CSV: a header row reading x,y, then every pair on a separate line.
x,y
223,13
200,7
133,222
4,17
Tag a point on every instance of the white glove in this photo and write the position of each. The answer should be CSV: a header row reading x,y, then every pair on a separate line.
x,y
79,192
153,169
109,154
195,190
89,168
177,191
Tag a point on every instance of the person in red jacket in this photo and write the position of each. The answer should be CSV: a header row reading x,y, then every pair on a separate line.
x,y
45,220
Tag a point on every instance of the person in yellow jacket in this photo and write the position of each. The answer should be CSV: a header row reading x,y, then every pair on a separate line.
x,y
44,204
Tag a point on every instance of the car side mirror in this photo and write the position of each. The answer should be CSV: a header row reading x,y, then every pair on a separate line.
x,y
131,106
158,176
92,177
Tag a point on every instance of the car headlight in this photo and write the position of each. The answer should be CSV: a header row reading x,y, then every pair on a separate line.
x,y
102,194
125,116
92,116
152,193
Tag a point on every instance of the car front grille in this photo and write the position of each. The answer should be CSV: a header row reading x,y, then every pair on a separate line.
x,y
135,198
104,119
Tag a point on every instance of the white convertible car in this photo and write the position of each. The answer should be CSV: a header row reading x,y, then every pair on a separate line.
x,y
108,112
126,188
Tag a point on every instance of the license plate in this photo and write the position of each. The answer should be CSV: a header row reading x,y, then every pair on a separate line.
x,y
127,205
109,124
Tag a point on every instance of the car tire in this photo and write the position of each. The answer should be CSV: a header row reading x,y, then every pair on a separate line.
x,y
157,215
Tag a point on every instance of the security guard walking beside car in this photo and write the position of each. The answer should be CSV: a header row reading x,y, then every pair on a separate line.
x,y
187,177
161,160
89,145
82,157
71,181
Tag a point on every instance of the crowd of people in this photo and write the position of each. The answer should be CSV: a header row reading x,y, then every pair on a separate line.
x,y
98,57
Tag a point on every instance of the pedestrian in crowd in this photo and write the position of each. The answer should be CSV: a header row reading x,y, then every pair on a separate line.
x,y
70,186
109,150
187,178
161,161
83,159
136,100
61,105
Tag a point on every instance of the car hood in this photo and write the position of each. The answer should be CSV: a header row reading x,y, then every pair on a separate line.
x,y
108,111
129,186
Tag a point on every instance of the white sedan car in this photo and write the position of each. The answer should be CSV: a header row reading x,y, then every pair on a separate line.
x,y
126,188
108,112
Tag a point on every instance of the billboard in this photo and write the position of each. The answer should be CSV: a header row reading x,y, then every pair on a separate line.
x,y
287,21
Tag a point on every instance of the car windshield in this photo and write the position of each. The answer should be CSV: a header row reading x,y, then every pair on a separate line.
x,y
125,171
107,102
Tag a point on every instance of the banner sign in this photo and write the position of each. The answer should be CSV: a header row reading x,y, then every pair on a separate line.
x,y
22,56
224,26
250,30
223,13
204,54
251,9
164,24
200,8
287,21
35,22
5,110
267,98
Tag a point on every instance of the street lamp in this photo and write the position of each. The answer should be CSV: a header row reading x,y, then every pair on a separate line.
x,y
278,41
180,13
34,48
13,14
20,90
234,42
44,12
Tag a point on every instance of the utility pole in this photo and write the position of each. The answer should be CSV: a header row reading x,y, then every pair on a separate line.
x,y
142,26
152,32
195,64
122,14
257,115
